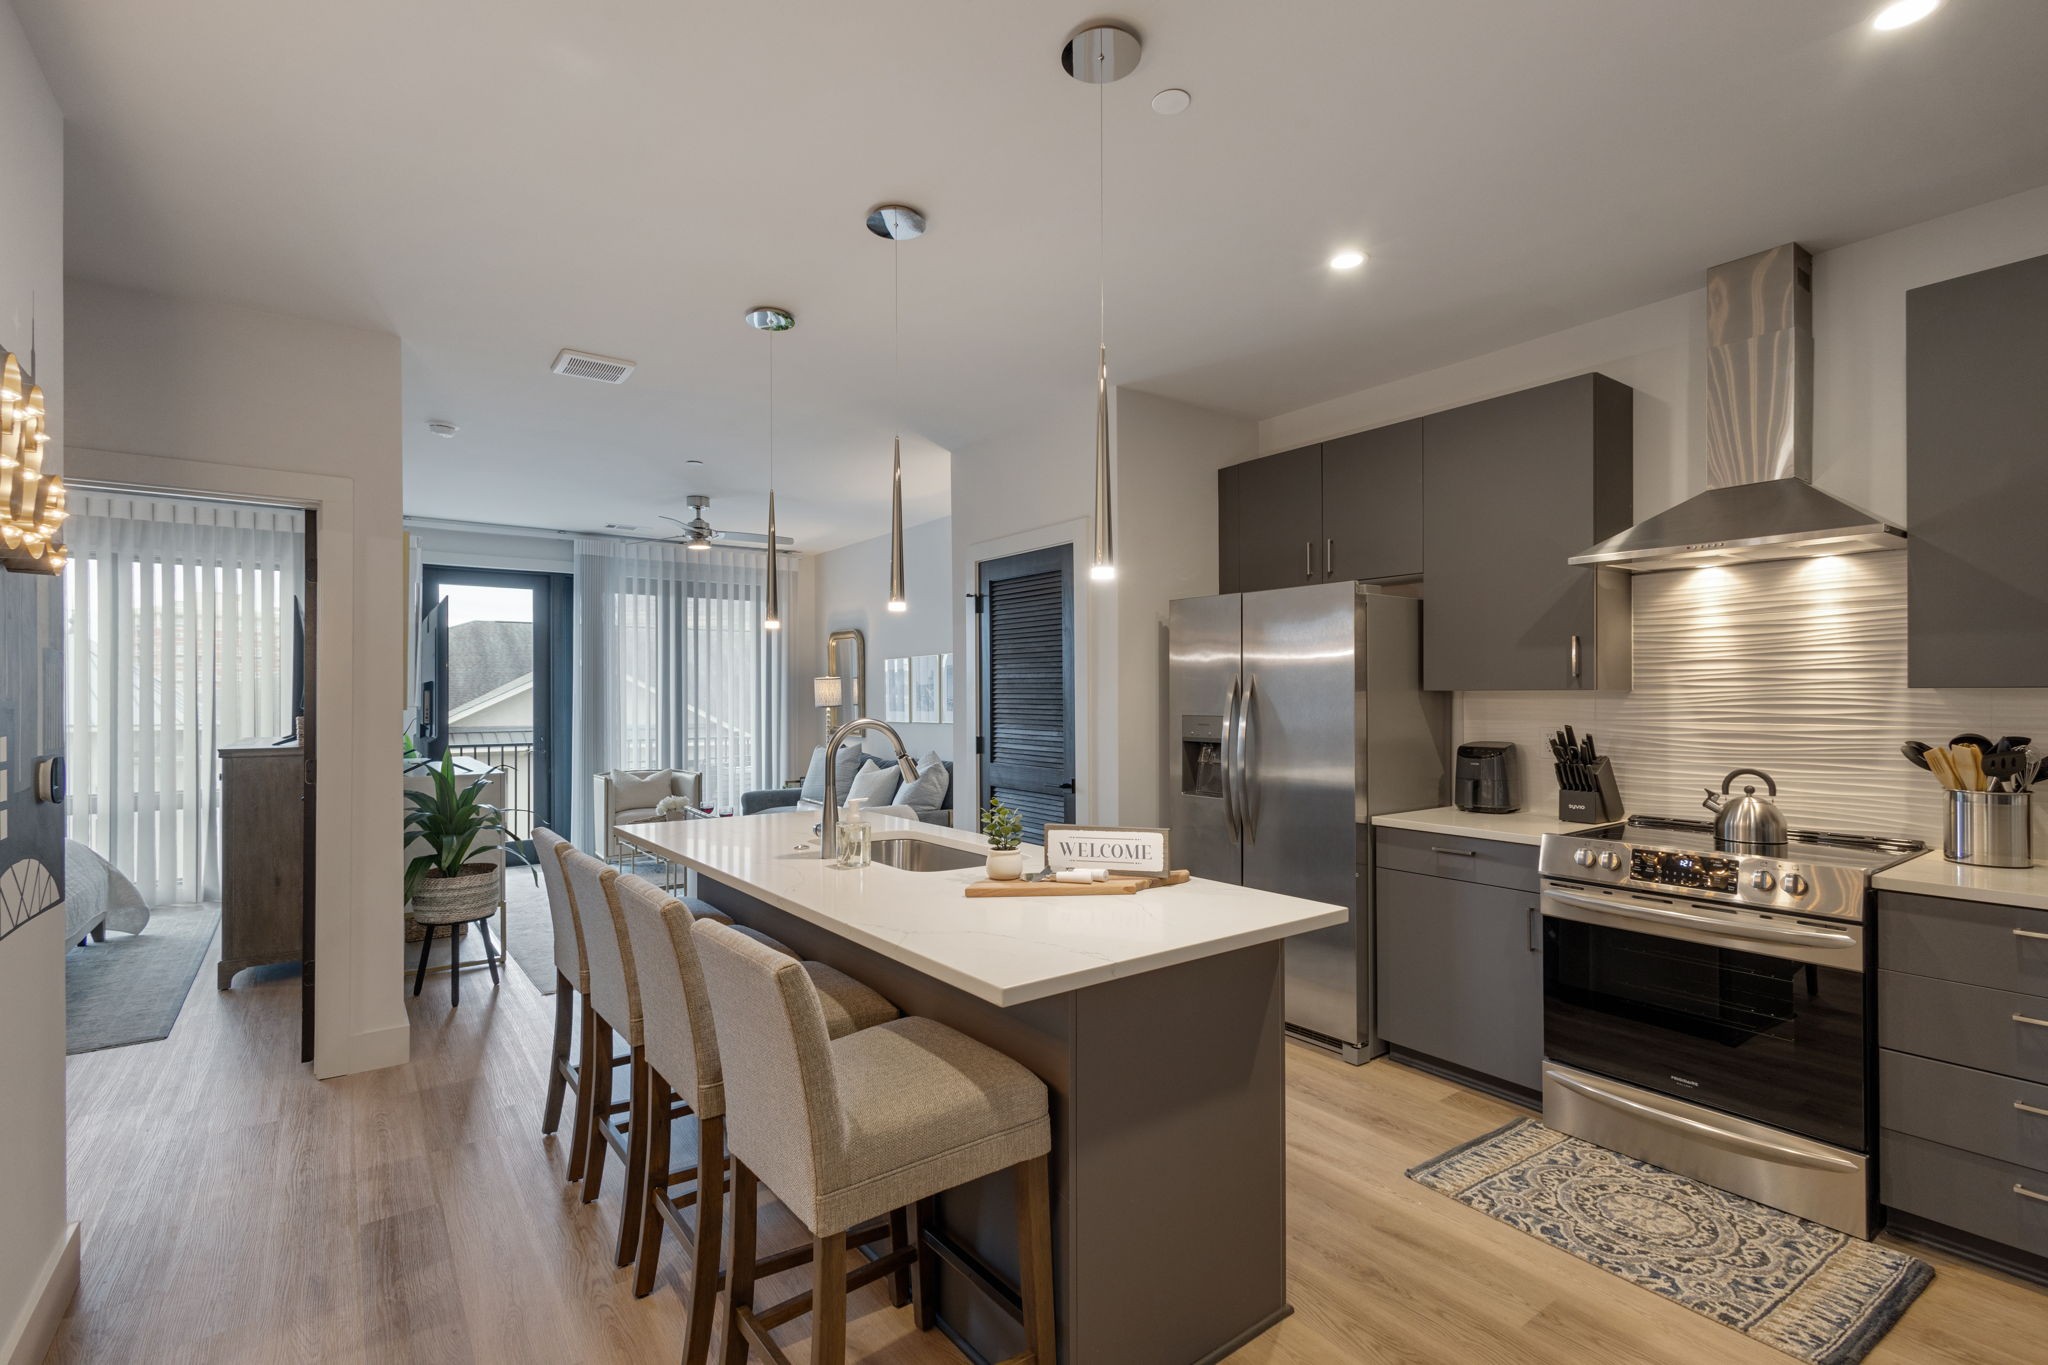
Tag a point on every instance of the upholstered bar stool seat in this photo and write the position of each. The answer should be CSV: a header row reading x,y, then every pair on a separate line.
x,y
847,1129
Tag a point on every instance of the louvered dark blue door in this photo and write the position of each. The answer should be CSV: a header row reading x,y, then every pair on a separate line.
x,y
1027,686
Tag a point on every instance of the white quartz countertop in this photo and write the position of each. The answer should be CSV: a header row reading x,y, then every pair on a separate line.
x,y
1931,874
1522,827
1005,950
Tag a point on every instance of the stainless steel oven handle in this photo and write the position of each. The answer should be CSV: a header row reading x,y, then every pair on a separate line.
x,y
1759,933
1230,723
1797,1156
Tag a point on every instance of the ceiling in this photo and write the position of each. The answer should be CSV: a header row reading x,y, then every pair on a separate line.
x,y
497,179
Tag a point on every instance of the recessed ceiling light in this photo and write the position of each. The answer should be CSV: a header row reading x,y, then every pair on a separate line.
x,y
441,428
1347,259
1173,101
1900,13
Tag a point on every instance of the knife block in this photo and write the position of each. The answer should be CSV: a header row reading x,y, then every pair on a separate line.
x,y
1595,807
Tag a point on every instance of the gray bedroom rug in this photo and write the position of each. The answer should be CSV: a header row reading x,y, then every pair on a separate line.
x,y
1809,1291
130,988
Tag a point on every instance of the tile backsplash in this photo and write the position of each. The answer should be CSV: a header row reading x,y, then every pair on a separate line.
x,y
1797,667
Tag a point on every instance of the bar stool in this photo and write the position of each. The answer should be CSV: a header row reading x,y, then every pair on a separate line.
x,y
572,984
681,1054
843,1130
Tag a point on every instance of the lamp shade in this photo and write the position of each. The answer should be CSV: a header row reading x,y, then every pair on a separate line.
x,y
828,691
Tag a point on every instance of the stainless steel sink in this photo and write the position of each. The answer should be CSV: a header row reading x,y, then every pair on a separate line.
x,y
912,854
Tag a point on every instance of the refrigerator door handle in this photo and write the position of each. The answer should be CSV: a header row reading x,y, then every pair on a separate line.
x,y
1230,724
1247,817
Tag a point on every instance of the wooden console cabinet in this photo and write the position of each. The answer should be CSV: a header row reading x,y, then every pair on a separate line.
x,y
263,855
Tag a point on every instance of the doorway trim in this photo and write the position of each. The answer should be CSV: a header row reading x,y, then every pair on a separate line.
x,y
359,1018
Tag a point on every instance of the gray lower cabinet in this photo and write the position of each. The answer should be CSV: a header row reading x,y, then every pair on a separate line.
x,y
1512,488
1460,973
1976,407
1963,1066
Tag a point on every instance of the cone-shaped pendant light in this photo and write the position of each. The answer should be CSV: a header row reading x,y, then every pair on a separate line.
x,y
898,223
771,321
1100,54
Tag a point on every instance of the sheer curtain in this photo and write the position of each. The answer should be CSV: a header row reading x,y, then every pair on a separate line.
x,y
673,669
178,631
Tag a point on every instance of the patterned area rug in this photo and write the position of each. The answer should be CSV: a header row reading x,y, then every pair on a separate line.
x,y
1809,1291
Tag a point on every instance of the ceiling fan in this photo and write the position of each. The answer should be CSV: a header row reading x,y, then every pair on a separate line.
x,y
699,534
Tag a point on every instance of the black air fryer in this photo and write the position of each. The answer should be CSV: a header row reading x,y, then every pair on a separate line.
x,y
1485,777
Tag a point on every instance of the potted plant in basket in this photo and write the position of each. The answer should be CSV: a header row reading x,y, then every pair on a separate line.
x,y
450,818
1005,830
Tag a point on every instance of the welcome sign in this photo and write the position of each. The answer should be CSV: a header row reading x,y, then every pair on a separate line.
x,y
1124,850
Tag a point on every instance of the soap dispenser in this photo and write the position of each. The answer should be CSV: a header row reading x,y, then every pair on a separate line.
x,y
854,837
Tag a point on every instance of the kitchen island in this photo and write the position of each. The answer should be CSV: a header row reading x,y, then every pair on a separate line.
x,y
1155,1022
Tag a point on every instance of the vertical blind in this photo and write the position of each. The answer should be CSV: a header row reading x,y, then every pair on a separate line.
x,y
674,668
178,631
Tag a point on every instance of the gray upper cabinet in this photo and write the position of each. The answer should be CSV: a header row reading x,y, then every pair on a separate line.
x,y
1372,504
1512,488
1229,572
1976,468
1279,501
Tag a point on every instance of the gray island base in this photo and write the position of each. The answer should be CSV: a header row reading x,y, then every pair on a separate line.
x,y
1168,1159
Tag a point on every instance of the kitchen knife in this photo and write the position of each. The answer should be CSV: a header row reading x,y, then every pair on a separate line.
x,y
1592,754
1571,741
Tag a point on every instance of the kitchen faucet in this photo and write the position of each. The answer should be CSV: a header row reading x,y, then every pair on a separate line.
x,y
828,828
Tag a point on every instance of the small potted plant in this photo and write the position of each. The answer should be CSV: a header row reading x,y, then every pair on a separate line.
x,y
1005,830
450,818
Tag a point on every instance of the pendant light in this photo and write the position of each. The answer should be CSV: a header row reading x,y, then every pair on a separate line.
x,y
771,321
899,224
1099,54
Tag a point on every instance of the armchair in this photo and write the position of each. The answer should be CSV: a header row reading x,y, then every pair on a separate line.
x,y
628,796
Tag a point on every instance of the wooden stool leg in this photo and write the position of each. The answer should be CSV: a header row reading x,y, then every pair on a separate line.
x,y
483,926
1034,1258
828,1299
739,1277
710,1232
642,1115
419,978
558,1055
586,1063
653,1177
597,1095
899,1238
924,1284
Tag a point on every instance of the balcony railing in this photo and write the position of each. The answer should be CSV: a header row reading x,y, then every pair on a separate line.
x,y
511,751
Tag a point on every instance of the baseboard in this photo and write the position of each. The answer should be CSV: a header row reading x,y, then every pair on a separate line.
x,y
372,1051
36,1328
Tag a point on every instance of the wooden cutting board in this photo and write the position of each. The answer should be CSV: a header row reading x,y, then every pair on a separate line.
x,y
1115,886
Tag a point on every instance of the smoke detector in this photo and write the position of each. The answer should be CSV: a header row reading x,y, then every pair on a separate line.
x,y
442,429
604,369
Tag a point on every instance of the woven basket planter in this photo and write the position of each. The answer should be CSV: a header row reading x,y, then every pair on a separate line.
x,y
448,900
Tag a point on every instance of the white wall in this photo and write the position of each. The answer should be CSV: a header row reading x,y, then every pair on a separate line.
x,y
534,552
1035,487
852,593
38,1265
181,394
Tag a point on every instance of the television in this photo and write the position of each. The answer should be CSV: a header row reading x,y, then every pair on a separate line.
x,y
298,674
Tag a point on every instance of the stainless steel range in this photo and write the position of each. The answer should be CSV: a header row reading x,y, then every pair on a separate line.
x,y
1711,1011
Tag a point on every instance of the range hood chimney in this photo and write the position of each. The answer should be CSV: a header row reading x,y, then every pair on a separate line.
x,y
1760,502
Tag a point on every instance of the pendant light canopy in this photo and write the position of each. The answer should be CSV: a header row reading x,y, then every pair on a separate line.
x,y
898,223
1098,55
771,320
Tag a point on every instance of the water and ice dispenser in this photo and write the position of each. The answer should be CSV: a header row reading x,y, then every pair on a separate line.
x,y
1201,756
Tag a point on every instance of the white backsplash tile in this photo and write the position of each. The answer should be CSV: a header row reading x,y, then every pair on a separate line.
x,y
1796,667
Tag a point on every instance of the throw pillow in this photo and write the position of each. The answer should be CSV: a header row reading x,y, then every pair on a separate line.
x,y
633,792
929,790
875,784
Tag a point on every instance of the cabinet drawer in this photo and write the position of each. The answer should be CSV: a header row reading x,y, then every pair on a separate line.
x,y
1975,1111
1460,974
1969,1025
2004,947
1464,859
1965,1190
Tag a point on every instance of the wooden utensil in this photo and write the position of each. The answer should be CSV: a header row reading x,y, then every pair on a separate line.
x,y
1943,767
1969,764
1114,886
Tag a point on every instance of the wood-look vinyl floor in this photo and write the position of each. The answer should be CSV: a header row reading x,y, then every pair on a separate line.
x,y
235,1209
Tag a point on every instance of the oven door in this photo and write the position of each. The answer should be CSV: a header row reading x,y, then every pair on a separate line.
x,y
1757,1015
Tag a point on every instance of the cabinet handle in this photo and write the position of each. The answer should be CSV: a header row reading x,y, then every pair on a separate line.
x,y
1535,938
1474,853
2024,1019
2026,1108
1308,559
1575,656
2028,933
1329,553
2037,1198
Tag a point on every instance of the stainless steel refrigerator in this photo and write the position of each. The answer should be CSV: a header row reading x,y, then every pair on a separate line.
x,y
1298,715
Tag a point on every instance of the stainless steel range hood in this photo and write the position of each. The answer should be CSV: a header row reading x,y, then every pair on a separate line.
x,y
1759,503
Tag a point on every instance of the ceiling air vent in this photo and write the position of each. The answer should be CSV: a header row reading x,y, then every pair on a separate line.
x,y
583,365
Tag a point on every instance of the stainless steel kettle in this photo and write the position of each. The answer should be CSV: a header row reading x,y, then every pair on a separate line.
x,y
1748,823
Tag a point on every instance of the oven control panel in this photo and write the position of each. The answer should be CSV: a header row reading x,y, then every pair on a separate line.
x,y
1818,889
1694,871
